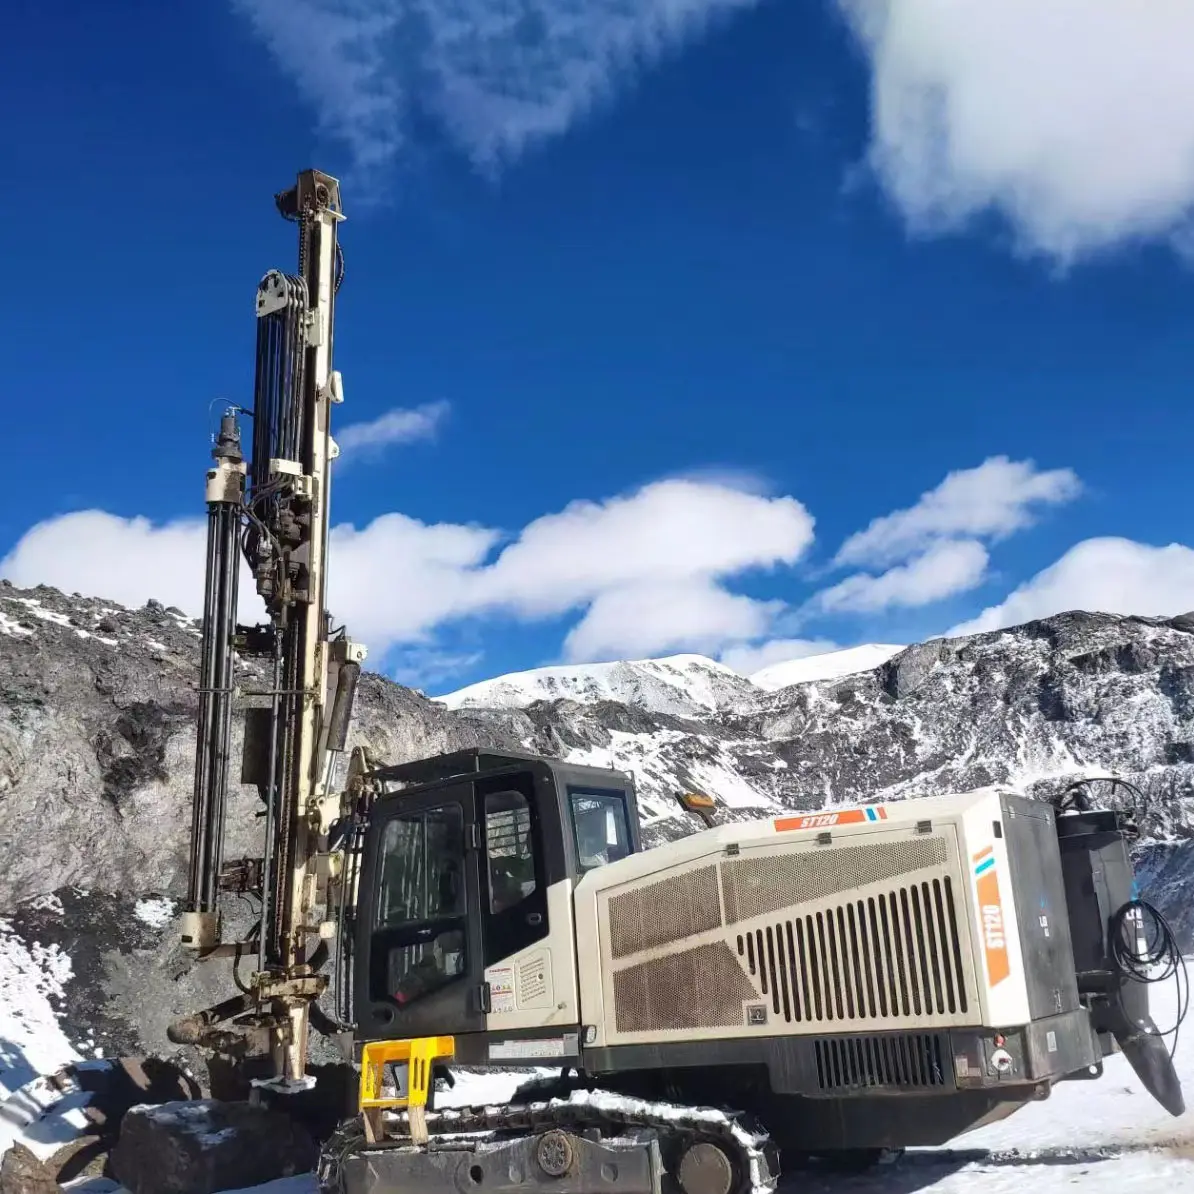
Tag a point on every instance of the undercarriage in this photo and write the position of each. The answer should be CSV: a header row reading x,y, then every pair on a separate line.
x,y
581,1142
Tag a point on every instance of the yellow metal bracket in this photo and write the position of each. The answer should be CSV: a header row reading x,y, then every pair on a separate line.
x,y
419,1056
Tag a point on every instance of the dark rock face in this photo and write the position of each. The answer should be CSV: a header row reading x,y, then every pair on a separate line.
x,y
97,713
204,1146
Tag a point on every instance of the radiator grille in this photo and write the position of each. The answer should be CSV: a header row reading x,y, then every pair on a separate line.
x,y
667,911
907,1060
696,988
891,956
758,886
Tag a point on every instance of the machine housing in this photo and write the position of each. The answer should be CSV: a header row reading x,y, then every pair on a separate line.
x,y
842,967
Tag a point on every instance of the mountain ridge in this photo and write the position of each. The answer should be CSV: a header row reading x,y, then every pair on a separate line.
x,y
672,683
97,707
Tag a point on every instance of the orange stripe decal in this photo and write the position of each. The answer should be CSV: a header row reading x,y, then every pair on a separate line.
x,y
990,910
851,816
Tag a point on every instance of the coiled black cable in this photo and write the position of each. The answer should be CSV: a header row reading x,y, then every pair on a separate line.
x,y
1140,963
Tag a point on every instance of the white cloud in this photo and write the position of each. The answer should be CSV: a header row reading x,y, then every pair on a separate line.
x,y
496,76
1074,119
1116,576
747,658
396,579
335,53
401,425
948,567
993,500
646,571
667,532
126,560
652,619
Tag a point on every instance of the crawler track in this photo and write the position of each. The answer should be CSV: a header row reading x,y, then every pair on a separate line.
x,y
752,1155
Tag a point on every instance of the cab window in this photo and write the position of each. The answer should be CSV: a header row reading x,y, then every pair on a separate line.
x,y
600,827
421,906
509,849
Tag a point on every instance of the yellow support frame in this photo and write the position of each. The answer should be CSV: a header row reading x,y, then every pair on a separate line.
x,y
420,1055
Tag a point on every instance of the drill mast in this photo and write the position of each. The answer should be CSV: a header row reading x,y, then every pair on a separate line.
x,y
272,511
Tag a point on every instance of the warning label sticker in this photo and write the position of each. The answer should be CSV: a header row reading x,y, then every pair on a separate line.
x,y
501,989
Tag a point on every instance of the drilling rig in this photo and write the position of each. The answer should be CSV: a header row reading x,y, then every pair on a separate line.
x,y
863,978
269,513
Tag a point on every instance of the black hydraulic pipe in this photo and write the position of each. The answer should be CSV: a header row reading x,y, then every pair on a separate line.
x,y
214,729
271,793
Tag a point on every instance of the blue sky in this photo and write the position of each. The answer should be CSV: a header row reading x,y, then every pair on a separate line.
x,y
744,328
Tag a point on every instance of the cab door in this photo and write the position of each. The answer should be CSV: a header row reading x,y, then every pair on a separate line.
x,y
419,967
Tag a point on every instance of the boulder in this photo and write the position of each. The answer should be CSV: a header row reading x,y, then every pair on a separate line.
x,y
203,1146
22,1173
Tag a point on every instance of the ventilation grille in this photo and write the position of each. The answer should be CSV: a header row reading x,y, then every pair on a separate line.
x,y
909,1060
664,912
891,956
532,979
696,988
758,886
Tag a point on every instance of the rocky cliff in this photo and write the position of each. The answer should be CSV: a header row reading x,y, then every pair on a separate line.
x,y
97,707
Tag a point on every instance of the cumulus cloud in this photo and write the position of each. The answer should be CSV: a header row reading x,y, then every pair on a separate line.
x,y
495,76
1073,119
396,579
646,619
949,567
1108,575
126,560
667,532
401,425
645,572
993,500
748,658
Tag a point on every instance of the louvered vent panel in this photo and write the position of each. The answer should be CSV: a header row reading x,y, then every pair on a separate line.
x,y
892,956
901,1061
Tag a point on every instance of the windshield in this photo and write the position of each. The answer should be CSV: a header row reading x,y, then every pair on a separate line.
x,y
599,826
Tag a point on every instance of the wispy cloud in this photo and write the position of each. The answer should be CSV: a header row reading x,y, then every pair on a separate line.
x,y
949,567
495,75
401,425
1074,120
934,548
995,499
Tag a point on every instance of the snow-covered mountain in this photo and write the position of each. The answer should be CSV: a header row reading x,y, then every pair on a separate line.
x,y
830,665
681,685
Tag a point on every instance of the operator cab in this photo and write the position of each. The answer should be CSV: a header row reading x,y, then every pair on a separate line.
x,y
456,871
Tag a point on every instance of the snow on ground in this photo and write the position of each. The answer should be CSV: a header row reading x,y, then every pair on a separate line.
x,y
41,1115
157,912
830,665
